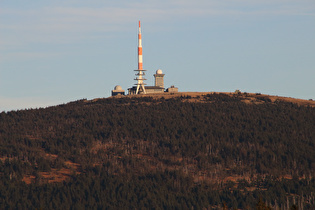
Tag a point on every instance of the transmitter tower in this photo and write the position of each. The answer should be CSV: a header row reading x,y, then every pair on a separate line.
x,y
140,71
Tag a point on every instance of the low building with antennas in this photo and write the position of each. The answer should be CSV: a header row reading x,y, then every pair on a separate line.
x,y
158,88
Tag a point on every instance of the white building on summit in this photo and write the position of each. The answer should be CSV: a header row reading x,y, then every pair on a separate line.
x,y
140,87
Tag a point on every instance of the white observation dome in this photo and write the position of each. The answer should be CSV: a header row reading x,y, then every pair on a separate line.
x,y
117,87
159,71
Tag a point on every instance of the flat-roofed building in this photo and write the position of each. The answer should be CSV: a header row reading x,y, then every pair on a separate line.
x,y
172,89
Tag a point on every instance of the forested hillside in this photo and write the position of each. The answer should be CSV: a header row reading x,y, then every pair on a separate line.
x,y
208,151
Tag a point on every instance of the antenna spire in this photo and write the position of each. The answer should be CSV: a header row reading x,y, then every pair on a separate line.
x,y
140,84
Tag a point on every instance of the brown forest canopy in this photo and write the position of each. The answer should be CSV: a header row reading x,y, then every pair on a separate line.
x,y
196,144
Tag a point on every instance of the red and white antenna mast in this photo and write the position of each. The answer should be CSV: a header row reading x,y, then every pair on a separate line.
x,y
140,72
140,66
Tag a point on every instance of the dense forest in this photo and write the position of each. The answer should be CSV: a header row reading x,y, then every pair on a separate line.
x,y
206,152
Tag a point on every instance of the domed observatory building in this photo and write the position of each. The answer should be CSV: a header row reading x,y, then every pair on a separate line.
x,y
118,91
159,83
159,78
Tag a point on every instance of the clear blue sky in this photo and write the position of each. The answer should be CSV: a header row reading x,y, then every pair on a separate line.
x,y
54,52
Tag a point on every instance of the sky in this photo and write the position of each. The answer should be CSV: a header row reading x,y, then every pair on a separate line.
x,y
54,52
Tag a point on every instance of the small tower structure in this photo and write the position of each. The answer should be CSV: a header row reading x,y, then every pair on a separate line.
x,y
159,78
140,71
